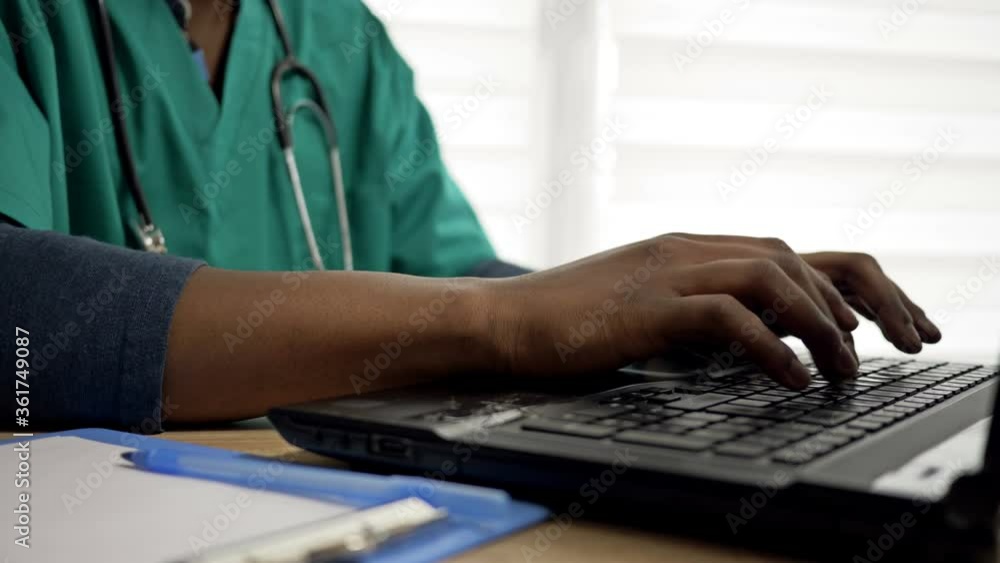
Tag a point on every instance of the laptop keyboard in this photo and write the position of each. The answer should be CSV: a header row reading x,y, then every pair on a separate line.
x,y
749,416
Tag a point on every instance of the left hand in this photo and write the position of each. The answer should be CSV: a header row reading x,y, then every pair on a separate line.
x,y
863,284
858,280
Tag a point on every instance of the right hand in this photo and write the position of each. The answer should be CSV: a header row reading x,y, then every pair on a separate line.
x,y
638,301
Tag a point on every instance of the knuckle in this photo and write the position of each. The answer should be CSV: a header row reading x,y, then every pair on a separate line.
x,y
865,261
664,243
777,245
764,270
791,264
722,307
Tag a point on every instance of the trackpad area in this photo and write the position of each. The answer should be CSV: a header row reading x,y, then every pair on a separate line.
x,y
930,474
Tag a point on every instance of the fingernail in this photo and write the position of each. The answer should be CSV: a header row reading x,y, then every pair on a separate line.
x,y
911,340
798,376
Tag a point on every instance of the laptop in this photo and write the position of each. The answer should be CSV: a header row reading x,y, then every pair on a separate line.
x,y
894,465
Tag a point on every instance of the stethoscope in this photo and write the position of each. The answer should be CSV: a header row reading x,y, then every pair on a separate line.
x,y
150,236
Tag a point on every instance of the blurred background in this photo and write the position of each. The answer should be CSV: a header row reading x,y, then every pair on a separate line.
x,y
874,125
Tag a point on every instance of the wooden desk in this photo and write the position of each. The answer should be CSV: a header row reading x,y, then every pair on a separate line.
x,y
583,542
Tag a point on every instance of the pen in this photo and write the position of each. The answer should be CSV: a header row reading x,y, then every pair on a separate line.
x,y
349,487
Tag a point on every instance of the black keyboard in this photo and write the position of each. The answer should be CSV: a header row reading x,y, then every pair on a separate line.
x,y
749,416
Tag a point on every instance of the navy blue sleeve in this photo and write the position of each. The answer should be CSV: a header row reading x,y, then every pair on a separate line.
x,y
496,269
97,319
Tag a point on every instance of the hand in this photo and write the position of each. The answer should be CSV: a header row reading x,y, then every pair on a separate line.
x,y
738,293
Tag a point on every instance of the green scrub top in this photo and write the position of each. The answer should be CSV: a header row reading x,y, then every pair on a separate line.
x,y
212,171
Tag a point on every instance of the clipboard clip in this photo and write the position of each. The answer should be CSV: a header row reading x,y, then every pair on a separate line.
x,y
333,539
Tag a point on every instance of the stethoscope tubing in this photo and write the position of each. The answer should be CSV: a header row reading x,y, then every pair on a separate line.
x,y
148,233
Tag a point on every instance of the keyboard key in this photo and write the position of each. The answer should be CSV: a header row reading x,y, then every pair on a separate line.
x,y
756,422
800,405
699,402
734,428
751,403
617,423
769,442
569,428
662,412
827,417
868,425
834,440
688,422
711,434
741,450
887,394
601,412
768,413
791,457
844,407
641,417
706,416
847,432
786,434
879,418
663,440
666,428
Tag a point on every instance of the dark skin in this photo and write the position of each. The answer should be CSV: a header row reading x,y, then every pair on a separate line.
x,y
654,295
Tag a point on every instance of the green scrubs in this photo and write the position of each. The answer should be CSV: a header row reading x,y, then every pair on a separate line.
x,y
212,171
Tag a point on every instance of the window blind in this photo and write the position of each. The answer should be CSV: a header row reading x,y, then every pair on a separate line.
x,y
848,124
476,62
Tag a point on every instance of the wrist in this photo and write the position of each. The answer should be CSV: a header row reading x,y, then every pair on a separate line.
x,y
495,319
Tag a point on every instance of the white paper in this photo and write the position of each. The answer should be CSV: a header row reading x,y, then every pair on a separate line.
x,y
930,474
88,505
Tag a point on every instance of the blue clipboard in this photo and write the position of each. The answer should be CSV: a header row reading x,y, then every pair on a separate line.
x,y
476,515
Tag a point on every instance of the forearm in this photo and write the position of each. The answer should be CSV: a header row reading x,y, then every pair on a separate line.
x,y
242,342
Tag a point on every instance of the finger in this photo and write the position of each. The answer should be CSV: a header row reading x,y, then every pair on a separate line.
x,y
860,306
828,301
780,300
868,282
929,332
723,320
838,305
